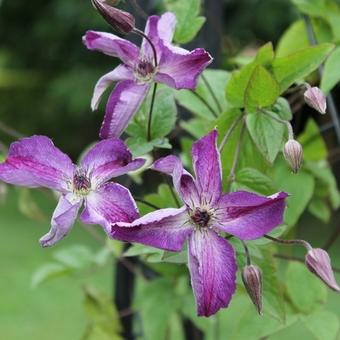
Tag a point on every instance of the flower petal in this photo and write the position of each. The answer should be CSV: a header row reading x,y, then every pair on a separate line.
x,y
213,268
207,164
165,229
112,45
159,28
123,103
183,181
108,204
107,159
179,68
249,216
62,220
36,162
121,72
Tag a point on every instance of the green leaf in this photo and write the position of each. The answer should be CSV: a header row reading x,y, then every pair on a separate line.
x,y
320,209
102,313
325,177
304,299
139,146
76,256
140,249
197,127
291,68
323,325
299,186
253,180
237,85
314,147
217,79
49,271
331,72
163,118
265,54
262,90
266,133
188,20
282,109
156,302
28,205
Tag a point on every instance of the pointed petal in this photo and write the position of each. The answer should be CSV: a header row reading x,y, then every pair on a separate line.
x,y
249,216
179,68
121,72
207,165
165,229
213,268
112,45
36,162
123,103
62,220
107,159
159,28
183,181
108,204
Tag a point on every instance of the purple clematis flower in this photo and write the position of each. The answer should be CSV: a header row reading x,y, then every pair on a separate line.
x,y
35,162
177,68
206,213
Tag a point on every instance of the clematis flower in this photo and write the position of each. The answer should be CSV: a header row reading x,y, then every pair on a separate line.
x,y
176,67
206,213
35,162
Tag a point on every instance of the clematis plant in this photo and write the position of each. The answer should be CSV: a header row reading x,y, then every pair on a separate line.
x,y
156,61
206,213
35,162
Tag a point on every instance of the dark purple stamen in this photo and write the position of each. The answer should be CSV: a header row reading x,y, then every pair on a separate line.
x,y
145,68
201,218
81,182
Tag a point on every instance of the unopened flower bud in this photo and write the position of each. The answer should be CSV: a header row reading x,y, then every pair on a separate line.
x,y
293,154
252,279
315,98
121,21
319,263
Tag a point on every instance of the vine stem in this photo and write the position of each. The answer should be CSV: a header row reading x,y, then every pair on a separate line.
x,y
232,173
205,103
143,35
298,259
229,132
247,253
289,242
279,120
151,111
213,95
153,206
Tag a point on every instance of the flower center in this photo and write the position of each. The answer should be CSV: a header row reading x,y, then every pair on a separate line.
x,y
144,70
81,183
201,218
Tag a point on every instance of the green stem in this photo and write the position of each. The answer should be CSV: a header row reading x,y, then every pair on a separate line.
x,y
232,173
205,103
289,242
151,111
213,95
279,120
229,132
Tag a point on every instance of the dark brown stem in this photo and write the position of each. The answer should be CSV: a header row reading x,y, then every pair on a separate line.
x,y
247,253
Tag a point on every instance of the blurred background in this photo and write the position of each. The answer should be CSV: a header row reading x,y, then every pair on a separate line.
x,y
46,82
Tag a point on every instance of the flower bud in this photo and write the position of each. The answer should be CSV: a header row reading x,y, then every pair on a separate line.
x,y
293,154
318,262
315,99
121,21
252,279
